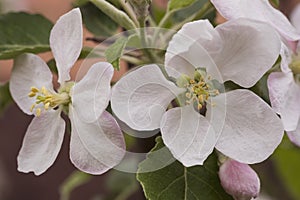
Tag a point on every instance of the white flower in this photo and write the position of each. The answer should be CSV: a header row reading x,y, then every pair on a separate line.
x,y
260,10
238,123
97,143
284,88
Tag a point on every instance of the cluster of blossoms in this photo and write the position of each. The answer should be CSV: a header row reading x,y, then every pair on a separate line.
x,y
186,100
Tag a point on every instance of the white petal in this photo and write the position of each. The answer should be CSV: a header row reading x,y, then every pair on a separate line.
x,y
41,143
96,147
66,42
284,96
250,48
278,85
188,135
252,130
294,17
141,97
260,10
200,32
294,136
91,95
286,58
29,70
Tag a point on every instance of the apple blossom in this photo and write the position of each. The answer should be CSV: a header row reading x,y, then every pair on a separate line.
x,y
96,143
284,88
237,123
260,10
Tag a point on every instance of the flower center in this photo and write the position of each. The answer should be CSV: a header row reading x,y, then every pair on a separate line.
x,y
46,99
295,64
199,88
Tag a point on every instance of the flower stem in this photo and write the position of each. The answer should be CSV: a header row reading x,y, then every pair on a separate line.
x,y
129,11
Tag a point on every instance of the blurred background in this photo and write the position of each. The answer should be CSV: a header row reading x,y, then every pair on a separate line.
x,y
280,175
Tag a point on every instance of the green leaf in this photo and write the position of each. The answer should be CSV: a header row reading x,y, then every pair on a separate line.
x,y
178,182
188,11
76,179
23,32
5,97
179,4
287,160
114,52
178,17
97,22
79,3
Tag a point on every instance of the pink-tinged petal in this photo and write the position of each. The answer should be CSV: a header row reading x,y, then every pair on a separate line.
x,y
294,136
252,130
260,10
250,48
66,42
284,96
188,135
91,95
278,85
28,71
96,147
239,180
42,142
141,97
200,32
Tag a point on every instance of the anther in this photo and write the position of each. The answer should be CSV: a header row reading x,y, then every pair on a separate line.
x,y
200,98
31,94
44,91
38,112
34,89
32,107
46,106
192,81
199,106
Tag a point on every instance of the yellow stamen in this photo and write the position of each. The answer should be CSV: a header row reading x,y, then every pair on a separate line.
x,y
200,98
34,89
199,106
38,112
32,107
192,81
47,106
44,91
31,94
199,89
49,99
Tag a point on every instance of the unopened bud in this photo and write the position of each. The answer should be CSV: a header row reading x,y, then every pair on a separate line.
x,y
239,180
140,7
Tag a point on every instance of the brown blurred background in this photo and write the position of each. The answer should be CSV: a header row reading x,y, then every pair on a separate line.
x,y
13,123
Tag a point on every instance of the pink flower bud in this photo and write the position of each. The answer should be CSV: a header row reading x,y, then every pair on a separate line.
x,y
239,180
